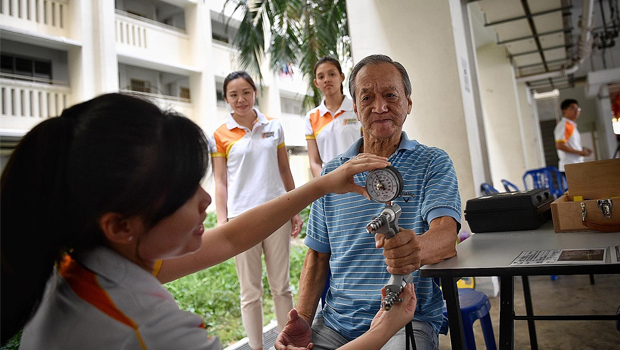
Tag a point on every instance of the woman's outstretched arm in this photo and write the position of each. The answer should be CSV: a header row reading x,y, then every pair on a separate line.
x,y
253,226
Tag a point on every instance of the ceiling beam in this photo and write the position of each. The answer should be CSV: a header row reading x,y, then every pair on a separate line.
x,y
566,31
540,64
541,50
529,15
530,21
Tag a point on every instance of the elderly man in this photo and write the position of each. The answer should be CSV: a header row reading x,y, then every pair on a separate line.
x,y
337,236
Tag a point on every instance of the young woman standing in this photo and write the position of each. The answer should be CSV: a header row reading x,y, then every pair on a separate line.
x,y
250,166
332,126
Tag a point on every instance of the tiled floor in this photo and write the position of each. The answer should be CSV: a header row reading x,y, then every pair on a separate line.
x,y
568,295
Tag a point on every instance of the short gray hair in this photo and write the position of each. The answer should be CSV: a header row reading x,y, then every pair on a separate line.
x,y
377,59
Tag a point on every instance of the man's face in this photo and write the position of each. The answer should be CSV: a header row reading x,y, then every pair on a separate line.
x,y
572,112
381,104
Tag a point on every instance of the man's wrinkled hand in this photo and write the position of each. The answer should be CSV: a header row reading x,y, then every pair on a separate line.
x,y
401,252
296,335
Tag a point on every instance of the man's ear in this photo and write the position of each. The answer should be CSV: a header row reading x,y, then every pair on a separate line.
x,y
409,104
120,229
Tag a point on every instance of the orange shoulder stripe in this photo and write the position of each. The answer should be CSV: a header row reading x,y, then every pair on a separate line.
x,y
225,139
318,122
84,283
568,131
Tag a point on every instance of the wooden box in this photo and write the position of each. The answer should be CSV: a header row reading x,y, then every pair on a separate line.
x,y
591,181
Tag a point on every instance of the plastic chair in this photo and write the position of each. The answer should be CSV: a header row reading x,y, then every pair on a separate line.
x,y
475,305
509,186
487,189
547,177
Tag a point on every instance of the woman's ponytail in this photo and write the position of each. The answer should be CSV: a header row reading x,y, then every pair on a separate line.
x,y
32,203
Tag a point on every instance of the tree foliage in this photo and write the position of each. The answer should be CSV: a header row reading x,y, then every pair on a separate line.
x,y
291,31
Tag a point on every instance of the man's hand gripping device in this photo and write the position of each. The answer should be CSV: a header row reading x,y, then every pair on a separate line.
x,y
385,185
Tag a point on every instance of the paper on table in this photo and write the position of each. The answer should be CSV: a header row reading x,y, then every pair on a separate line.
x,y
561,256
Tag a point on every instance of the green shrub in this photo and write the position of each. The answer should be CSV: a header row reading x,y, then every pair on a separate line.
x,y
214,293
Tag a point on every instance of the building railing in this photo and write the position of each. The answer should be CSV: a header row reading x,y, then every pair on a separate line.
x,y
24,104
165,102
42,16
143,37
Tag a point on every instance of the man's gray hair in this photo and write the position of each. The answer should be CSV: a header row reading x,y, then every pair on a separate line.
x,y
377,59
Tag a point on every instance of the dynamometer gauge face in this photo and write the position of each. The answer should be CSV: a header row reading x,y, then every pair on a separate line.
x,y
384,185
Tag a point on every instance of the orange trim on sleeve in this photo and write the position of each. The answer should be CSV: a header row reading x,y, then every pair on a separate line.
x,y
84,283
281,145
157,267
568,131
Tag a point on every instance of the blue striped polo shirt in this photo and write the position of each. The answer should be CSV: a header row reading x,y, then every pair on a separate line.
x,y
337,225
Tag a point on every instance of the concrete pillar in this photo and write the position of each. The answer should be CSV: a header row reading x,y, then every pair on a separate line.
x,y
93,68
502,114
433,41
202,84
606,139
530,128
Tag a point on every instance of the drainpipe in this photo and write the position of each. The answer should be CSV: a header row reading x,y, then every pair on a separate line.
x,y
584,49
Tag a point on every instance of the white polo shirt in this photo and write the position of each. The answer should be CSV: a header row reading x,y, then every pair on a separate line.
x,y
103,301
253,176
333,134
566,132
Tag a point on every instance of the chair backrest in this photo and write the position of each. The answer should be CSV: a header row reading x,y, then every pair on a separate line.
x,y
509,186
547,177
487,189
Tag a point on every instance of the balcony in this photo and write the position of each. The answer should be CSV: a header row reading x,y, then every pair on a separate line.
x,y
224,59
142,39
45,17
178,104
24,104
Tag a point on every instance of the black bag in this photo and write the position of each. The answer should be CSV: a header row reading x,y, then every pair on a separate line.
x,y
509,211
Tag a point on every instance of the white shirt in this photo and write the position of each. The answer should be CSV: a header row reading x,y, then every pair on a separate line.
x,y
566,132
103,301
333,134
253,175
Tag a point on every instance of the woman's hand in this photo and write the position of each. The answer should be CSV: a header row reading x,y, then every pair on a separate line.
x,y
341,179
296,225
399,315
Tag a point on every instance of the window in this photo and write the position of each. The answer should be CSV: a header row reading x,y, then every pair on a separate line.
x,y
26,68
290,105
184,93
220,37
140,85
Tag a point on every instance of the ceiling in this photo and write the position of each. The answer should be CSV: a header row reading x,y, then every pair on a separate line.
x,y
542,37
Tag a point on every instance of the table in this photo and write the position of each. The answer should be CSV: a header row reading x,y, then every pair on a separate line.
x,y
491,253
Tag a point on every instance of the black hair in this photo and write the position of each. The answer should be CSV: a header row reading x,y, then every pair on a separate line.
x,y
333,61
377,59
115,153
236,75
566,103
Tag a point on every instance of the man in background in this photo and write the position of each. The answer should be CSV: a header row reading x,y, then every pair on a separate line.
x,y
567,137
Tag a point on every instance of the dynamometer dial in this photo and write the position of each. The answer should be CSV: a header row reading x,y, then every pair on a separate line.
x,y
384,185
